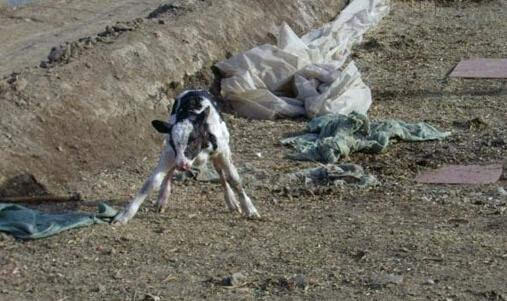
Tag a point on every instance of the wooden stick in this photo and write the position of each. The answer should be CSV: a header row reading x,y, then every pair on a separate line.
x,y
41,199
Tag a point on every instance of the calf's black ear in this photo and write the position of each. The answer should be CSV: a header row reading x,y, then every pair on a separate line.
x,y
161,126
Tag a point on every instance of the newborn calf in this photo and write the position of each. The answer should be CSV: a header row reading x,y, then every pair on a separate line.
x,y
194,133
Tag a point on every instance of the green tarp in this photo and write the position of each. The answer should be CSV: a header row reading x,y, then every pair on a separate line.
x,y
26,223
330,137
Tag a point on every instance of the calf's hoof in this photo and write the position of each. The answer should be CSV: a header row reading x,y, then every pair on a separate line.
x,y
253,215
121,218
161,208
234,208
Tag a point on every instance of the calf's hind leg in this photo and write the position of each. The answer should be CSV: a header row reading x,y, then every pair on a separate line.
x,y
232,177
230,198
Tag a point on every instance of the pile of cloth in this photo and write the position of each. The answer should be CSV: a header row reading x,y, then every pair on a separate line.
x,y
333,136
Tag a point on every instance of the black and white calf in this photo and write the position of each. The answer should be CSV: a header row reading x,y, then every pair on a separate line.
x,y
195,133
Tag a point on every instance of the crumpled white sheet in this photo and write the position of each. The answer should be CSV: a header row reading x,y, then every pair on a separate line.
x,y
304,76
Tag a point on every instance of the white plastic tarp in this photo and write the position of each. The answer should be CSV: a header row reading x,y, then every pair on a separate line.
x,y
304,76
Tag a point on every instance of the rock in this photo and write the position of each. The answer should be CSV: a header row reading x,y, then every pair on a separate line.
x,y
100,288
121,27
499,142
360,255
235,279
3,86
20,84
117,275
371,44
429,281
6,238
57,53
381,280
150,297
501,191
299,281
477,123
163,9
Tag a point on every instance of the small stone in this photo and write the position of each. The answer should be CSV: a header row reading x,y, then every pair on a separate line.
x,y
20,84
3,86
117,275
501,191
498,142
380,280
235,279
121,27
150,297
57,53
100,288
429,282
299,281
161,22
5,237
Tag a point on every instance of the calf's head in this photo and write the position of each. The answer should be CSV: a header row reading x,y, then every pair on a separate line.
x,y
187,137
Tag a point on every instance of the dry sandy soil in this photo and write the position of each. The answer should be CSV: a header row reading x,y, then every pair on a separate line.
x,y
396,241
88,105
42,25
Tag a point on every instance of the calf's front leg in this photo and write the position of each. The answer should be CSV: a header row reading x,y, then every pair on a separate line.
x,y
165,191
165,164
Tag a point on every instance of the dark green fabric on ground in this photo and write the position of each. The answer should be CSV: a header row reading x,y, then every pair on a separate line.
x,y
333,136
25,223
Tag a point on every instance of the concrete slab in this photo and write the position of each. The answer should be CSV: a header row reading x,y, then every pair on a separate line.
x,y
462,174
481,68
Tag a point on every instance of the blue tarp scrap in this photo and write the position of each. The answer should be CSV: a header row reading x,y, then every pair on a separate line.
x,y
26,223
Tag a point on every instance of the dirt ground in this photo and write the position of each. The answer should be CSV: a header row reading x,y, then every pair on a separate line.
x,y
88,105
42,25
396,241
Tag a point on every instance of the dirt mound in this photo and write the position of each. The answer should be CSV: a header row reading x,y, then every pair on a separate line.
x,y
91,104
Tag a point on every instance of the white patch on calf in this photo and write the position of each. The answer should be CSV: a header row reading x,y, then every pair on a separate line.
x,y
179,135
